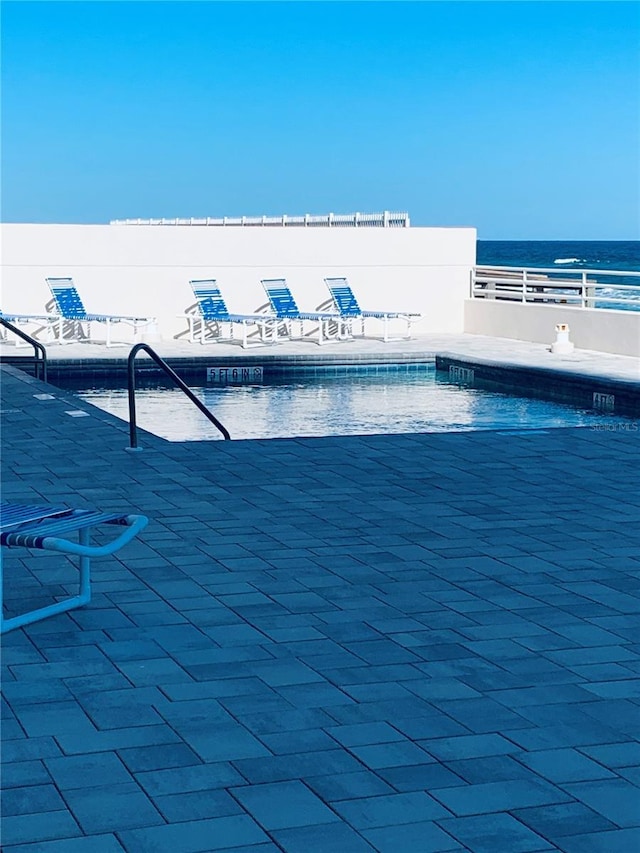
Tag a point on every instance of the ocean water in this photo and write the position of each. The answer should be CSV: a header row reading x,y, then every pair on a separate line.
x,y
573,255
560,254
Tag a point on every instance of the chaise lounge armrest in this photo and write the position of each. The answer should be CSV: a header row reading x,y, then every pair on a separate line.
x,y
46,528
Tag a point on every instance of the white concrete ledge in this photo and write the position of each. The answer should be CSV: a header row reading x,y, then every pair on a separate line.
x,y
610,331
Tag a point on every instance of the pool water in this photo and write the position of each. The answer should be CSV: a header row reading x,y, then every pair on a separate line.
x,y
356,403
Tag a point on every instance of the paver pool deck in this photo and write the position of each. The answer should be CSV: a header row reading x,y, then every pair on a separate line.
x,y
425,642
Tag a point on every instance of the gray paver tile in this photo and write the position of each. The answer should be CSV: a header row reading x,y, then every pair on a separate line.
x,y
154,671
199,836
492,832
557,821
29,749
324,838
31,799
628,688
483,715
615,799
294,720
61,717
282,805
196,805
430,724
613,841
30,692
469,746
299,766
363,734
314,695
487,797
159,757
563,735
279,673
298,742
221,743
86,771
267,847
424,836
348,786
45,826
106,843
420,777
395,754
390,810
76,743
615,755
19,773
179,780
95,808
498,768
564,765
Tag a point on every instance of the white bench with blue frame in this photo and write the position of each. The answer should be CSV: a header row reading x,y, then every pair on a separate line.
x,y
46,528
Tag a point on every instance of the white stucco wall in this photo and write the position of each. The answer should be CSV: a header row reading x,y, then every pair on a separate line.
x,y
604,331
146,269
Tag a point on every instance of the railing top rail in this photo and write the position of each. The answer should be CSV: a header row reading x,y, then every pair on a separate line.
x,y
384,219
486,269
554,284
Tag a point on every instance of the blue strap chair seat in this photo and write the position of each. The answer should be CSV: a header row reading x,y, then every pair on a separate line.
x,y
46,528
345,301
209,317
42,321
71,309
284,307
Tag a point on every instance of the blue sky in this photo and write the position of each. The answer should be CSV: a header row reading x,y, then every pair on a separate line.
x,y
521,119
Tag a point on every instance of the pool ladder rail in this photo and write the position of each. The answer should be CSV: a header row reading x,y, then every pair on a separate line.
x,y
131,372
38,359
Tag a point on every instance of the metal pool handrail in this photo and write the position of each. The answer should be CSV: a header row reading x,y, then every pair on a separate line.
x,y
39,352
133,428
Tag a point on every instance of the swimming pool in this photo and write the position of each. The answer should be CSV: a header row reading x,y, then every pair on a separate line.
x,y
339,401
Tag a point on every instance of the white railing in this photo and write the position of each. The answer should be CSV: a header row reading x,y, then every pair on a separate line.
x,y
329,220
578,288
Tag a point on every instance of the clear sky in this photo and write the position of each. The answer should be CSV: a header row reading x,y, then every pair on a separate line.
x,y
521,119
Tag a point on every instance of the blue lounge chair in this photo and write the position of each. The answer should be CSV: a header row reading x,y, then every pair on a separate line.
x,y
46,322
46,528
72,314
209,316
347,304
284,307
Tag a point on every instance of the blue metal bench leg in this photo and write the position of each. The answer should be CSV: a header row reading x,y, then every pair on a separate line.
x,y
85,570
51,609
82,549
84,596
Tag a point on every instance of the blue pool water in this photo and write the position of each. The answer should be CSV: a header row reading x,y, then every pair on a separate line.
x,y
400,400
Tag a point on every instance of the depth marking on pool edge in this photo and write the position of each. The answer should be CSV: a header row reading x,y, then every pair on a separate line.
x,y
461,374
240,375
603,402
